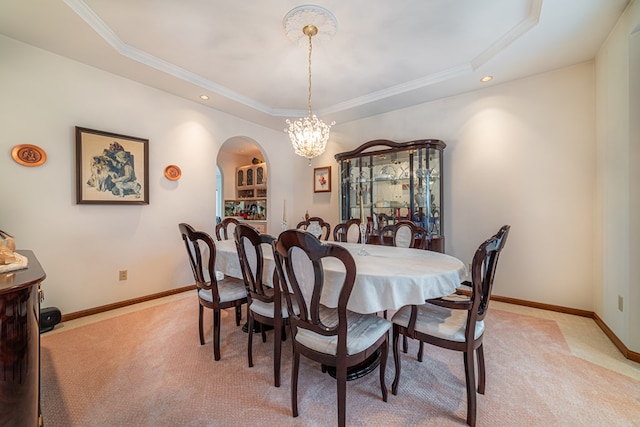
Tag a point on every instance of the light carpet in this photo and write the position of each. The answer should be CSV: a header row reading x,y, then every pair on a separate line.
x,y
147,368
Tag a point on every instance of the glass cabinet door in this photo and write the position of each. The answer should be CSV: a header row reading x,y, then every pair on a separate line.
x,y
427,190
249,177
260,178
384,182
251,181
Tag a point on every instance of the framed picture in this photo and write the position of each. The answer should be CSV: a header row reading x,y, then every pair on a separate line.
x,y
111,168
322,179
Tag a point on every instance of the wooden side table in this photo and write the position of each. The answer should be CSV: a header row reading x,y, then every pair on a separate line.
x,y
20,344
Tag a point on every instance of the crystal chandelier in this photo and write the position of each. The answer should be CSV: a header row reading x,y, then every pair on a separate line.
x,y
309,135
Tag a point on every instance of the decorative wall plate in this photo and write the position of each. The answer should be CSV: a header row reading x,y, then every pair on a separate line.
x,y
172,172
28,155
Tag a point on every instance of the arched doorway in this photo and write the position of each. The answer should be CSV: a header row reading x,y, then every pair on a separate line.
x,y
235,152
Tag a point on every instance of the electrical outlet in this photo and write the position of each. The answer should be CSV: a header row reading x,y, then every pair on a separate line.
x,y
123,275
620,303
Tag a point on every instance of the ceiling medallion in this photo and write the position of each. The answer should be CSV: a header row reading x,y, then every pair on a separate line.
x,y
309,135
299,17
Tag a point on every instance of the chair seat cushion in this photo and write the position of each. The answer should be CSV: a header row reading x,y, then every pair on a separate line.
x,y
438,321
362,331
229,289
456,298
266,309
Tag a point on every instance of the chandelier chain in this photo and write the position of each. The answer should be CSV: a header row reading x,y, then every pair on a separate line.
x,y
310,49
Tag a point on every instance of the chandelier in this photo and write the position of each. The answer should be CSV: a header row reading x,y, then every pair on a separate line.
x,y
309,135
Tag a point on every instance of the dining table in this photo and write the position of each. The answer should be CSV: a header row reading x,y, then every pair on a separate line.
x,y
387,278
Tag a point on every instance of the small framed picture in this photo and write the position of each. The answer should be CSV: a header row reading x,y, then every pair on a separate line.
x,y
111,168
322,179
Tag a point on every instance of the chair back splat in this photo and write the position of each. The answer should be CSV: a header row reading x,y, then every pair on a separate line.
x,y
225,229
456,322
404,234
348,231
332,336
484,268
316,225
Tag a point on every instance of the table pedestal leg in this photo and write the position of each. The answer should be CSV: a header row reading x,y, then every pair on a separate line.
x,y
359,370
256,327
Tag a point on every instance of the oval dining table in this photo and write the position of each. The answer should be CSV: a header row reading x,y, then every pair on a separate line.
x,y
387,278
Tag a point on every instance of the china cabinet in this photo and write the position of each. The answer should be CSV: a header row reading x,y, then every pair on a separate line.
x,y
384,182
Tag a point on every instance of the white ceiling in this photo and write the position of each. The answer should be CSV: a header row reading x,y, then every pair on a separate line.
x,y
385,55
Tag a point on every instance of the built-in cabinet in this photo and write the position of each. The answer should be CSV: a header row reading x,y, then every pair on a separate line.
x,y
387,181
251,181
250,203
252,212
254,209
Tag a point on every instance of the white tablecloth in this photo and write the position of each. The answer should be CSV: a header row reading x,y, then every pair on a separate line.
x,y
388,278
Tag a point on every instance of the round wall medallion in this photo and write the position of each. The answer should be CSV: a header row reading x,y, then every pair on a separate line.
x,y
172,172
28,155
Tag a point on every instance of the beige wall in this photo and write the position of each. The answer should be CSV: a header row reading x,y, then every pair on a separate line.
x,y
617,190
82,247
519,153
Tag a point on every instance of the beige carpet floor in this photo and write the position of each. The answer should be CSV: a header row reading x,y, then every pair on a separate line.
x,y
146,368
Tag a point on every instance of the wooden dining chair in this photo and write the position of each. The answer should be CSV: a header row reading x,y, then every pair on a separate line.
x,y
403,234
264,302
224,229
347,231
334,337
214,292
456,324
323,228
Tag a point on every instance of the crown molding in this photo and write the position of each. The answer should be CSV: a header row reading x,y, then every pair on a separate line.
x,y
103,30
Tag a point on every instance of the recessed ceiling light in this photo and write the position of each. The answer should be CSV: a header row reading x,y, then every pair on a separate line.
x,y
486,79
204,97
